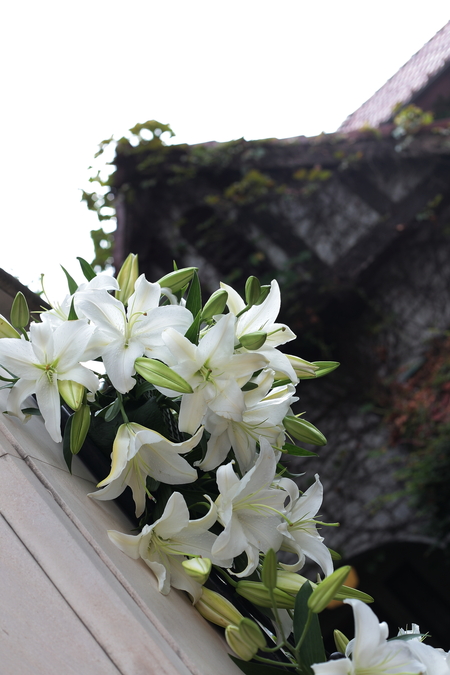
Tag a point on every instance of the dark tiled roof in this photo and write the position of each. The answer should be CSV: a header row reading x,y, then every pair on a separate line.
x,y
410,79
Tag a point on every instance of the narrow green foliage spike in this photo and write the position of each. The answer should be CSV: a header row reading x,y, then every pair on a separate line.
x,y
72,313
294,450
72,284
86,269
67,452
194,298
312,649
192,332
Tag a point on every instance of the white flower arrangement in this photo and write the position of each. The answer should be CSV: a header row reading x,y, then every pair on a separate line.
x,y
204,470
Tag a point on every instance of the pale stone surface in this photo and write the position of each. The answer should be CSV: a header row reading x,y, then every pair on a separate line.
x,y
114,597
32,612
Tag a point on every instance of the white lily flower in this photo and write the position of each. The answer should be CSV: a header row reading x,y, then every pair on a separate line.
x,y
250,510
436,661
122,335
168,541
262,417
139,452
263,318
49,356
369,650
299,530
60,311
214,372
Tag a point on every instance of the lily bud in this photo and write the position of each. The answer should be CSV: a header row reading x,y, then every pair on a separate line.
x,y
81,421
252,291
265,290
303,369
198,569
303,431
327,589
127,277
259,595
20,314
177,279
325,367
217,609
72,393
244,649
215,304
269,570
340,641
254,340
252,633
291,582
160,375
6,330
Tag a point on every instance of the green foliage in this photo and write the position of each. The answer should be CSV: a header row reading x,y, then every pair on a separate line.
x,y
103,248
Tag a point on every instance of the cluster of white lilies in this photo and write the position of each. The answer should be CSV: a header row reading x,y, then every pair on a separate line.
x,y
234,390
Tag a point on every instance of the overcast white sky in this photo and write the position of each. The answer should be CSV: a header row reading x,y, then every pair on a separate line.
x,y
76,73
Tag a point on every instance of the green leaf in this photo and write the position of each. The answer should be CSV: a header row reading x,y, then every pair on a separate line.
x,y
250,668
70,281
335,555
194,298
291,449
193,330
86,269
113,410
31,411
67,452
249,386
72,314
312,649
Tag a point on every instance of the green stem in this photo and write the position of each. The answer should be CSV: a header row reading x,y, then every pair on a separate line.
x,y
275,663
122,409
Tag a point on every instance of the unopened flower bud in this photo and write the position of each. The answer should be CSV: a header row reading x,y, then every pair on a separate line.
x,y
217,609
72,393
81,420
252,291
254,340
269,570
265,290
6,330
198,569
215,304
177,279
325,367
127,277
340,641
259,595
160,375
291,582
20,314
303,369
327,589
252,633
303,431
244,649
